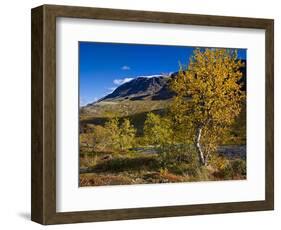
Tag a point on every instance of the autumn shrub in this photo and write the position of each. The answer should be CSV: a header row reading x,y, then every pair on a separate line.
x,y
180,160
99,138
121,164
203,174
173,155
166,176
226,173
93,179
190,170
239,167
234,169
218,162
88,160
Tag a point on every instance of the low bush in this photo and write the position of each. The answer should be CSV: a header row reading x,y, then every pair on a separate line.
x,y
234,170
174,154
122,164
239,167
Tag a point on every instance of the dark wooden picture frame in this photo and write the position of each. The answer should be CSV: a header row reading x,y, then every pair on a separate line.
x,y
43,189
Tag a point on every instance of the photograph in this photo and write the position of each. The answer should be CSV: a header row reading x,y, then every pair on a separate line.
x,y
152,114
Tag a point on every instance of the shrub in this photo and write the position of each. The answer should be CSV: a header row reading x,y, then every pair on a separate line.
x,y
171,155
236,168
89,160
181,160
218,162
227,172
184,169
99,138
239,167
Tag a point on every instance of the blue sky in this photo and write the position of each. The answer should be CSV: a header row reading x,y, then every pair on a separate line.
x,y
105,66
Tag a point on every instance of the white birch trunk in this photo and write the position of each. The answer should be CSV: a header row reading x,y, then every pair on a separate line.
x,y
198,146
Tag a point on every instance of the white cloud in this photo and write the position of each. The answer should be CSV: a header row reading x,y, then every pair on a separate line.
x,y
125,67
122,81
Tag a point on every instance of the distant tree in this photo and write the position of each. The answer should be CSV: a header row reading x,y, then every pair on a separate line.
x,y
127,135
120,136
209,98
157,130
112,128
100,137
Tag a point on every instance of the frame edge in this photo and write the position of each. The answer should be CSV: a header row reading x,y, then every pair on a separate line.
x,y
37,189
269,116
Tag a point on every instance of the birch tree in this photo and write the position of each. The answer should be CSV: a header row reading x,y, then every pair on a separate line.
x,y
208,98
127,135
120,136
157,130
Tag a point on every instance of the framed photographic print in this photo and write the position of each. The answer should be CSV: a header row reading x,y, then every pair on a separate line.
x,y
147,114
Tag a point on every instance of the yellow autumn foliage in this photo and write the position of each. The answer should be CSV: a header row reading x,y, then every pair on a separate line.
x,y
209,97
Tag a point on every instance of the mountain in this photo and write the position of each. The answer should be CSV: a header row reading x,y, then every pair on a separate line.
x,y
150,88
141,88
